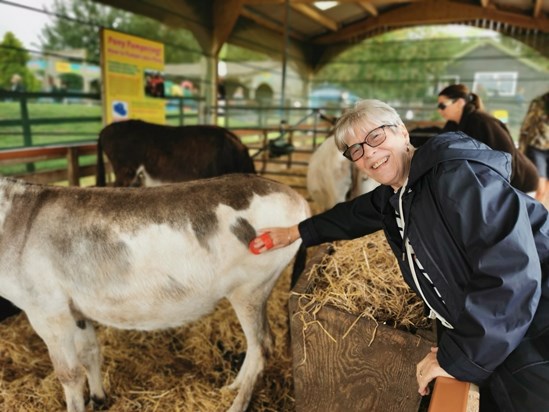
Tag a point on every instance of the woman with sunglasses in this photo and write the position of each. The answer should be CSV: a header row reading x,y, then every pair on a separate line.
x,y
474,248
464,111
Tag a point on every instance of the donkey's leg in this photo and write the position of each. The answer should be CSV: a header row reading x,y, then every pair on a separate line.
x,y
250,306
89,356
58,330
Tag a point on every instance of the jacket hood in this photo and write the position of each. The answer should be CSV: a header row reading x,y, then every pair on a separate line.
x,y
457,146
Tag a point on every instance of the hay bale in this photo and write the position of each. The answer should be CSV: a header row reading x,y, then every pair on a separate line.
x,y
362,277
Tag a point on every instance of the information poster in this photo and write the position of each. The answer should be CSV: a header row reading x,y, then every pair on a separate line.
x,y
133,78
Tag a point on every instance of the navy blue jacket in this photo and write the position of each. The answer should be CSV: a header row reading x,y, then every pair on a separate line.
x,y
484,244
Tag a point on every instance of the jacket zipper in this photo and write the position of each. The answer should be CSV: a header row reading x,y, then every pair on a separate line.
x,y
408,251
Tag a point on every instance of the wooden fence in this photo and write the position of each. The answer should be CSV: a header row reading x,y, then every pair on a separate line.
x,y
71,152
75,170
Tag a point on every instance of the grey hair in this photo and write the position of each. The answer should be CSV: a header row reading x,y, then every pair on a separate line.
x,y
364,113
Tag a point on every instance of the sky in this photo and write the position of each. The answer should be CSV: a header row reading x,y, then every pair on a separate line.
x,y
25,24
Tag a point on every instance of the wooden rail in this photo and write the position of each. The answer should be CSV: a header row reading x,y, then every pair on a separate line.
x,y
71,152
74,171
451,395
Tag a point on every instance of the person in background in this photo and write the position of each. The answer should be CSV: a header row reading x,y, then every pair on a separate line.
x,y
16,83
464,110
534,141
474,248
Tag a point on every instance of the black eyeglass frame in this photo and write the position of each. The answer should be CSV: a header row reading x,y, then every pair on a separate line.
x,y
443,106
347,151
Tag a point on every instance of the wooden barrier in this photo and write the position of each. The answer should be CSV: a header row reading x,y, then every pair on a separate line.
x,y
341,363
332,373
450,395
71,152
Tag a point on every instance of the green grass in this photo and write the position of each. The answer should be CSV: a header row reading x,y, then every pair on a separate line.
x,y
59,132
63,127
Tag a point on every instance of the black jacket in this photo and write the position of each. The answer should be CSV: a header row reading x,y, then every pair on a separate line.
x,y
492,132
484,244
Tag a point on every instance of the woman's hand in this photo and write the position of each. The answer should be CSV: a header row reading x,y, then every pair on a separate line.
x,y
280,237
427,370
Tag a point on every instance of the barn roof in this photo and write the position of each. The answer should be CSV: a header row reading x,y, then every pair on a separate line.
x,y
315,32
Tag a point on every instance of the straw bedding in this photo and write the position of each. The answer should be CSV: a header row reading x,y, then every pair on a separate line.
x,y
362,277
184,369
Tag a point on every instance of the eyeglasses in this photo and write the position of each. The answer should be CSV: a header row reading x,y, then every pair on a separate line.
x,y
443,106
372,139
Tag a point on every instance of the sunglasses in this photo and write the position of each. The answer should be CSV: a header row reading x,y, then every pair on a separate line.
x,y
372,139
443,106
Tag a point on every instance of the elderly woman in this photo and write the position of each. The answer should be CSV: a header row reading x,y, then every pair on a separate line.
x,y
464,111
475,249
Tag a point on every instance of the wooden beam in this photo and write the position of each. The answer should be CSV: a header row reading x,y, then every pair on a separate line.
x,y
537,8
268,24
451,395
315,15
225,14
392,2
73,169
271,2
484,3
369,7
437,12
44,152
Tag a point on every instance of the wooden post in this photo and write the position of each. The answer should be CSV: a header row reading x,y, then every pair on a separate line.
x,y
181,105
73,170
315,126
265,154
451,395
25,121
290,141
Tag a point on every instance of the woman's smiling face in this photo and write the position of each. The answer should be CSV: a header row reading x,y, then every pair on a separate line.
x,y
388,163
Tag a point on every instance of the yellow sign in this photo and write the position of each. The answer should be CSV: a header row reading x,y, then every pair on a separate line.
x,y
63,67
502,115
133,78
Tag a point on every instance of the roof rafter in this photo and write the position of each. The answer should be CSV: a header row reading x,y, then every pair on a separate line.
x,y
382,2
315,15
224,20
537,8
369,7
268,24
438,12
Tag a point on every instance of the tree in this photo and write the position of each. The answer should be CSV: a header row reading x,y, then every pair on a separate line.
x,y
13,60
80,21
180,46
78,26
401,65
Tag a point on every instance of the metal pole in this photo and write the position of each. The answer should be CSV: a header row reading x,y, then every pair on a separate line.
x,y
285,52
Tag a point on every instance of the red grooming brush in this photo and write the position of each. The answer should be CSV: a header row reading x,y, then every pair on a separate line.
x,y
267,241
